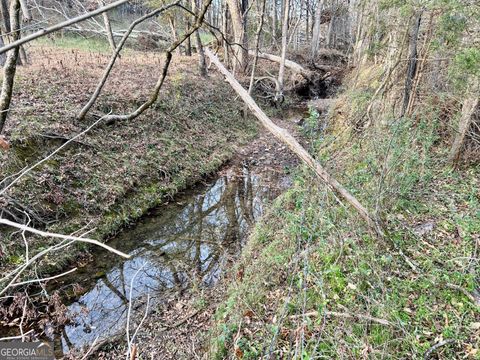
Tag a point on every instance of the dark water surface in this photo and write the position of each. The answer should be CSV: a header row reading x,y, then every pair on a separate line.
x,y
197,236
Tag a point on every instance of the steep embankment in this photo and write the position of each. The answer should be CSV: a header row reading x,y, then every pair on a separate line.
x,y
114,174
314,281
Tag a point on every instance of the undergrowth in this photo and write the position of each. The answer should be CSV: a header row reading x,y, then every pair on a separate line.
x,y
114,174
314,282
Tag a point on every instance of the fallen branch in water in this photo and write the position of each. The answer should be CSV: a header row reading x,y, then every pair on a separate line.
x,y
285,137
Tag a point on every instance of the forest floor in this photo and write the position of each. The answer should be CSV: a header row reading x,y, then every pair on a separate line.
x,y
114,174
316,283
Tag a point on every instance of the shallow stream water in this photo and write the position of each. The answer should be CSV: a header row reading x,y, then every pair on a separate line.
x,y
198,235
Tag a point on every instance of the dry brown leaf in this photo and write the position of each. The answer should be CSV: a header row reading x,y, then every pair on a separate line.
x,y
238,353
4,143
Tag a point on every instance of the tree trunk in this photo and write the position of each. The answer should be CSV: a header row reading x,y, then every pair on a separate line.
x,y
257,46
307,18
316,29
285,137
10,65
469,107
330,32
281,72
108,30
202,64
108,27
3,57
26,13
188,47
171,22
225,33
6,17
274,20
240,39
412,63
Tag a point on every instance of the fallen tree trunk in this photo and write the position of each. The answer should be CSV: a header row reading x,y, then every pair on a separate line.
x,y
307,74
284,136
292,65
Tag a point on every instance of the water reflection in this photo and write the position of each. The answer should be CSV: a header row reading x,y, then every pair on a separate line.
x,y
193,237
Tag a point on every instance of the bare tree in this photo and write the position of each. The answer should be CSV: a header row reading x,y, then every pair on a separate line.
x,y
316,29
281,72
202,64
238,10
10,66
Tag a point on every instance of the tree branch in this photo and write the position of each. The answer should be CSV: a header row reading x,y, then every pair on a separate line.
x,y
61,25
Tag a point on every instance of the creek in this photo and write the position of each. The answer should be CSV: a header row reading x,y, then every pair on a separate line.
x,y
198,235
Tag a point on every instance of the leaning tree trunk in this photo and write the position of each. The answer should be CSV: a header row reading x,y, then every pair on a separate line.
x,y
108,27
11,64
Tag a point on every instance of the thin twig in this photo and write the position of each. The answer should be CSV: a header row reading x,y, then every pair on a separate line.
x,y
61,236
436,347
344,315
44,279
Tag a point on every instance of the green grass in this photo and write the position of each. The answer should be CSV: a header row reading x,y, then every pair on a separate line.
x,y
309,255
312,254
95,43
